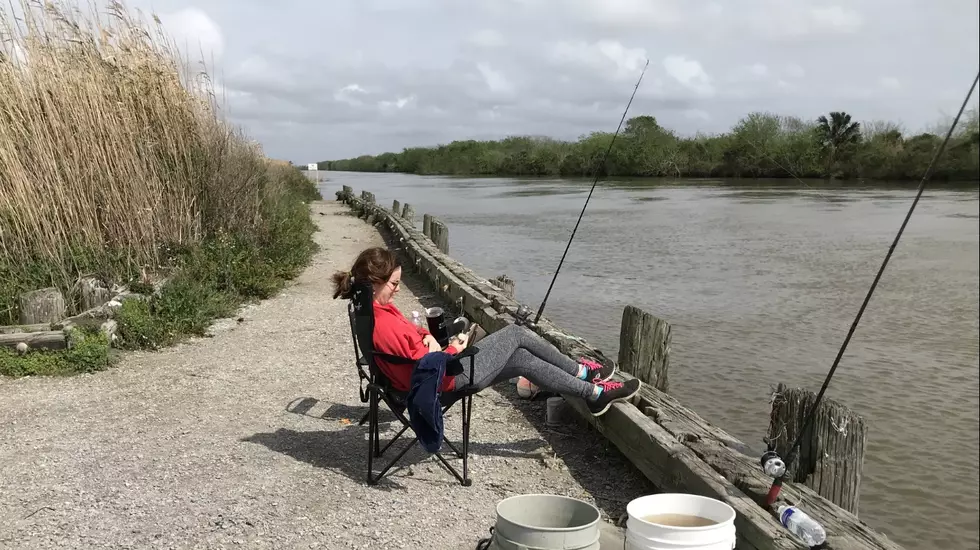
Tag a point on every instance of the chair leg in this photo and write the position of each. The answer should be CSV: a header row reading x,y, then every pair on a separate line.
x,y
372,426
459,454
364,418
467,415
396,459
377,431
374,441
393,440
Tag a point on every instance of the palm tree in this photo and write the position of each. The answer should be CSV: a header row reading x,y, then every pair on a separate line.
x,y
839,130
837,134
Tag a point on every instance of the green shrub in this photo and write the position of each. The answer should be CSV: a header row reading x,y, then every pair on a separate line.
x,y
112,163
89,352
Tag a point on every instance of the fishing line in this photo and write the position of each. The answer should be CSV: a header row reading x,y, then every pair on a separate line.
x,y
778,481
595,180
787,170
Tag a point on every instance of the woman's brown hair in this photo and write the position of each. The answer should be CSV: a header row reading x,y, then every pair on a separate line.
x,y
374,264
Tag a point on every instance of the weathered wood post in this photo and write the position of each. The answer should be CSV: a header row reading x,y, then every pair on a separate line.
x,y
368,198
830,459
427,225
644,347
506,285
396,208
440,235
42,306
95,292
408,214
346,192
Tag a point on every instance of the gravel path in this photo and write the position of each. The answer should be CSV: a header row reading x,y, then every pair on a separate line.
x,y
249,439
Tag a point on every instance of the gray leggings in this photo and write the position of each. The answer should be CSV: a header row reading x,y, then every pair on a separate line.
x,y
516,351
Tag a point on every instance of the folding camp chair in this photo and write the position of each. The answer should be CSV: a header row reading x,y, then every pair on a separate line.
x,y
376,388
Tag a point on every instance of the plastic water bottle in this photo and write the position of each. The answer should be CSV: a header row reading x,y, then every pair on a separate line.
x,y
417,319
801,525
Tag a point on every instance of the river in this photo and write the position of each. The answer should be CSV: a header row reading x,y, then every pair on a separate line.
x,y
760,281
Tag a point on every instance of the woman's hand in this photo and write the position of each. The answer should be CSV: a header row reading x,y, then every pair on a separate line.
x,y
430,341
459,341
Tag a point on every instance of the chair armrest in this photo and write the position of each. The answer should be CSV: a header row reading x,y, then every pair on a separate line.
x,y
467,352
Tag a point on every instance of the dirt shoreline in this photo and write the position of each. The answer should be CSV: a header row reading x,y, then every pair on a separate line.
x,y
249,439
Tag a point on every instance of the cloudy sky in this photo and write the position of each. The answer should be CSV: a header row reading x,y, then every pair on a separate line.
x,y
334,79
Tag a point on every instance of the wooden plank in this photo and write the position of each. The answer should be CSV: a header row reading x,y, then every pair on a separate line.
x,y
726,455
644,347
673,467
17,329
49,340
831,455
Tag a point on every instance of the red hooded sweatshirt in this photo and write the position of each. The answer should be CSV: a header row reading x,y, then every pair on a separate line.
x,y
396,335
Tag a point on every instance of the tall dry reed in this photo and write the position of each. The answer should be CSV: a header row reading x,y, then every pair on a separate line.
x,y
109,146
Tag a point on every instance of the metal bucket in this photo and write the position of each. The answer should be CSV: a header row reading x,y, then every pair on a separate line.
x,y
546,522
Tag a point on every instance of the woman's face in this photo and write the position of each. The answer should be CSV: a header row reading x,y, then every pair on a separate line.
x,y
385,292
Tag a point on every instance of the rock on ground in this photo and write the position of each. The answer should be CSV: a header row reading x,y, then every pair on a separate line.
x,y
249,439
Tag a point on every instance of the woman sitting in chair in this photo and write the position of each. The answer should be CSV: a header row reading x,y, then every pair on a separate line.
x,y
507,353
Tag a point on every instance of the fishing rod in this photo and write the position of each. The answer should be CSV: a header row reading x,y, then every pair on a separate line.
x,y
772,463
595,180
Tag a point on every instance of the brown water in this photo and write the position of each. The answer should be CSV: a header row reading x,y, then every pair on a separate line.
x,y
679,520
761,283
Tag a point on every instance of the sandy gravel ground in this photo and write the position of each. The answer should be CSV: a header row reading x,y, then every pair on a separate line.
x,y
249,439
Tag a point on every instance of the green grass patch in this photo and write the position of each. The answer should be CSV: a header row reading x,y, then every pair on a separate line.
x,y
212,280
209,280
89,352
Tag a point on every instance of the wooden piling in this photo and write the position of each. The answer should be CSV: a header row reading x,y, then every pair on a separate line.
x,y
644,347
506,285
830,459
396,207
368,198
94,291
46,305
346,192
408,214
440,235
427,225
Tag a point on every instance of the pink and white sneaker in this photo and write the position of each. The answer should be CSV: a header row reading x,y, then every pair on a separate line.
x,y
596,371
613,392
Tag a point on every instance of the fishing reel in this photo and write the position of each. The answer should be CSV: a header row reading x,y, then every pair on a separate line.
x,y
523,316
775,467
773,464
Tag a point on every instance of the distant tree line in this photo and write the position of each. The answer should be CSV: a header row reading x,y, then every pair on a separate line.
x,y
760,145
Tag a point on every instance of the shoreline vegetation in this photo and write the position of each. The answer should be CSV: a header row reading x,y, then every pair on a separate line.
x,y
116,164
760,145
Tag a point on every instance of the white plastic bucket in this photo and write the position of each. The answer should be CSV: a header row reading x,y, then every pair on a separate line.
x,y
546,522
644,535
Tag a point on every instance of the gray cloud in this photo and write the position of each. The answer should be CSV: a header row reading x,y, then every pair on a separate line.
x,y
315,81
